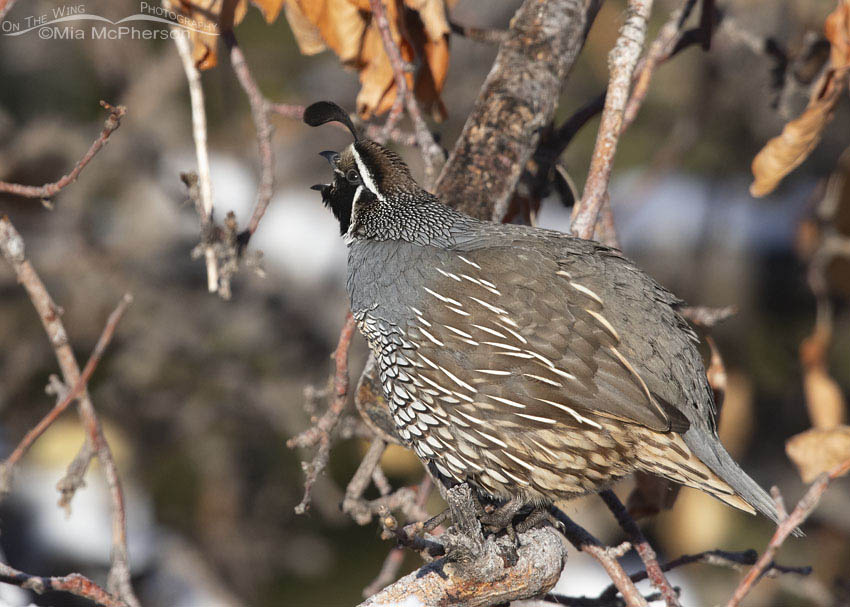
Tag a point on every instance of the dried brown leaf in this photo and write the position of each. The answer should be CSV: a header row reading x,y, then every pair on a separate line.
x,y
419,28
784,153
817,450
215,16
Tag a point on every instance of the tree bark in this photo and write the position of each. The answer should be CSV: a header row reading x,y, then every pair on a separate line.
x,y
517,101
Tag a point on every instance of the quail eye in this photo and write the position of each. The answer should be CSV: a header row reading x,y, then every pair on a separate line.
x,y
353,176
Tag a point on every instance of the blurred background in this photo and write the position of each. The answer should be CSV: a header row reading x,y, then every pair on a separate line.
x,y
198,395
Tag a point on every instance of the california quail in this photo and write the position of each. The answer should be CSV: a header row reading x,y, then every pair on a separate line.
x,y
533,365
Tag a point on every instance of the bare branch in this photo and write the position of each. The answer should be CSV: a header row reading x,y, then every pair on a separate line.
x,y
621,61
199,132
607,557
478,34
260,113
431,152
704,316
70,395
74,583
13,250
514,105
786,527
49,190
647,554
320,433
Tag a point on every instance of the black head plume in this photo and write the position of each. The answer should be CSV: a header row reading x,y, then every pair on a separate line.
x,y
321,112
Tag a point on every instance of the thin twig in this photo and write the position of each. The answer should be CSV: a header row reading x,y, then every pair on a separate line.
x,y
260,113
395,558
647,554
659,51
785,528
488,36
13,250
199,132
48,190
622,60
607,557
71,395
73,583
431,152
716,558
320,433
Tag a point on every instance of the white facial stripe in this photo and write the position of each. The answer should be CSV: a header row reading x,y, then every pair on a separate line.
x,y
365,175
349,236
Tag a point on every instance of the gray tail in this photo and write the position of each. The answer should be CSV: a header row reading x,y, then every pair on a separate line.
x,y
711,452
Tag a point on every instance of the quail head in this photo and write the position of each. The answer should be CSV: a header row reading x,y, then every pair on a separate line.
x,y
533,365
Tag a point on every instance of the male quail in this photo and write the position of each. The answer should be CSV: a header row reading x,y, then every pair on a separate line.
x,y
533,365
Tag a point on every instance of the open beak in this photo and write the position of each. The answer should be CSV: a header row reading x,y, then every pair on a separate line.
x,y
331,157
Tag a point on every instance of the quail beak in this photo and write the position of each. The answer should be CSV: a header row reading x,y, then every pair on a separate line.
x,y
332,158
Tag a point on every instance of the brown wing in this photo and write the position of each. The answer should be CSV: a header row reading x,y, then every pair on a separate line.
x,y
537,349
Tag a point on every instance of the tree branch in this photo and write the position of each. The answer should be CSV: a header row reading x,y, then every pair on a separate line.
x,y
48,190
516,102
786,527
431,152
73,583
320,433
6,468
13,250
199,132
621,61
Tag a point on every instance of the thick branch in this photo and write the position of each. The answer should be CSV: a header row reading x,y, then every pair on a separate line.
x,y
517,101
487,580
48,190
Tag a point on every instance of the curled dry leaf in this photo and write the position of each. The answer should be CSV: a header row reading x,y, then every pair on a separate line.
x,y
419,28
208,18
818,450
800,136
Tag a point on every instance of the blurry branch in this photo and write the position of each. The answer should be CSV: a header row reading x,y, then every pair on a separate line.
x,y
642,547
621,61
514,105
13,250
431,152
199,132
7,466
395,558
789,522
361,509
48,190
478,34
260,113
74,583
320,433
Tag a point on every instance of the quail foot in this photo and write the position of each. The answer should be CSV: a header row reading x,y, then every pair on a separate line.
x,y
530,364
